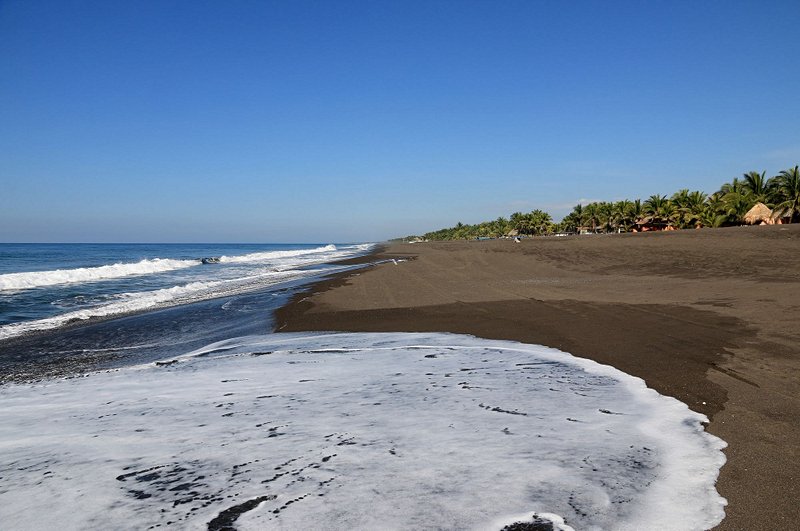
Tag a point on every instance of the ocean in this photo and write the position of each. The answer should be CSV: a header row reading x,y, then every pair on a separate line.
x,y
72,307
191,413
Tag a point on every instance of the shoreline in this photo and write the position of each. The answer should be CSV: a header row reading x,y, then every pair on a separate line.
x,y
704,316
104,342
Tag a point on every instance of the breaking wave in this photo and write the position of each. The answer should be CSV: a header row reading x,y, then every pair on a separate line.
x,y
275,255
159,287
36,279
148,300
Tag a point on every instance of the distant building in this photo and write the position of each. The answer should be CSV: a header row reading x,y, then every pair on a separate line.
x,y
760,214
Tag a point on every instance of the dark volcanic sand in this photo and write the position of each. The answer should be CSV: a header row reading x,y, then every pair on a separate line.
x,y
711,317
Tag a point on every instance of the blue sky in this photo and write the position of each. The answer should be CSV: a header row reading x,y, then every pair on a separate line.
x,y
359,121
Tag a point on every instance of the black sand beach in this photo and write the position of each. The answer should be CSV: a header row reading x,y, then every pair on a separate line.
x,y
708,316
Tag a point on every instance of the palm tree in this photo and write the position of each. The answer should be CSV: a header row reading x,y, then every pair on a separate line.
x,y
622,213
738,197
517,222
735,186
500,227
660,209
786,194
605,213
681,201
724,207
591,215
689,206
713,214
573,220
757,185
735,205
696,206
636,211
540,222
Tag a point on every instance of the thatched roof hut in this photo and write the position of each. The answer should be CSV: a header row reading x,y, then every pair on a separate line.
x,y
781,216
648,223
759,214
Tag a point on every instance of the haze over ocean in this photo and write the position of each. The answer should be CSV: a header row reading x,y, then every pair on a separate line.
x,y
359,121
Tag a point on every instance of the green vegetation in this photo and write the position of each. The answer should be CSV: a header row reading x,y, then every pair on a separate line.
x,y
684,210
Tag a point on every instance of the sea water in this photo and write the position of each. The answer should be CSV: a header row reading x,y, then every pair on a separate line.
x,y
207,421
78,307
356,431
44,286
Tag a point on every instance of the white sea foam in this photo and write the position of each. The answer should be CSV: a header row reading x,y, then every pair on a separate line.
x,y
257,270
286,259
36,279
356,431
149,300
276,255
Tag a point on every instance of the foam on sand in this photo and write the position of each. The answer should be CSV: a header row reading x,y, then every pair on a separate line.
x,y
356,431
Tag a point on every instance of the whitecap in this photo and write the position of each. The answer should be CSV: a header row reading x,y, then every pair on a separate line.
x,y
37,279
131,302
276,255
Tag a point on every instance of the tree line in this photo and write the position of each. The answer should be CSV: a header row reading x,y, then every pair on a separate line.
x,y
683,210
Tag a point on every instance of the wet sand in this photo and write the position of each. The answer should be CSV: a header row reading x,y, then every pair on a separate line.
x,y
711,317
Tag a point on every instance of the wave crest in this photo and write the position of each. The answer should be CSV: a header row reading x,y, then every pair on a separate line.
x,y
275,255
37,279
127,303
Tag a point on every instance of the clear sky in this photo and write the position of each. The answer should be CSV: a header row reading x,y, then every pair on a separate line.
x,y
359,121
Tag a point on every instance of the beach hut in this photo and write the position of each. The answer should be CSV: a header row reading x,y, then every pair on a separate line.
x,y
647,223
780,217
760,214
